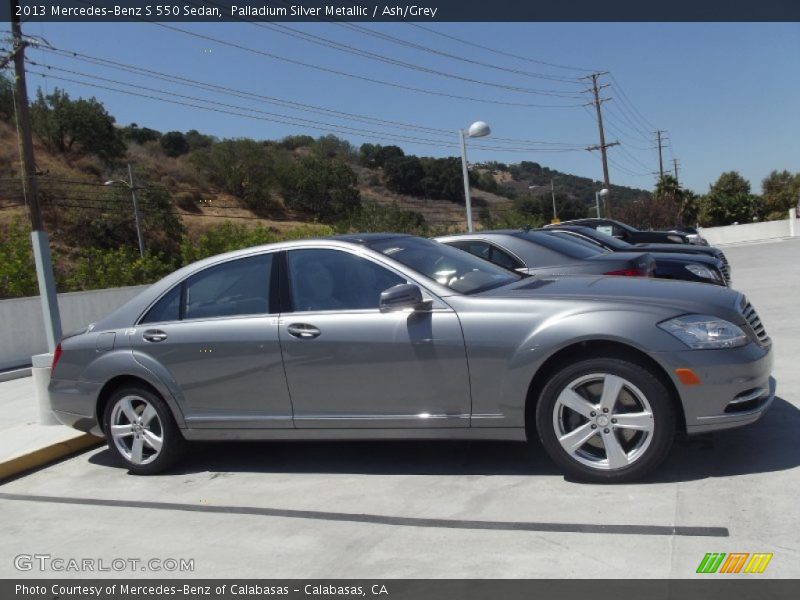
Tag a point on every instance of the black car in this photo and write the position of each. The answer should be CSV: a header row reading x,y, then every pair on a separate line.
x,y
685,267
627,233
616,245
541,253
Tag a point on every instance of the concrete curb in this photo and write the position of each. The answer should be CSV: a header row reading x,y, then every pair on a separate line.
x,y
15,374
47,454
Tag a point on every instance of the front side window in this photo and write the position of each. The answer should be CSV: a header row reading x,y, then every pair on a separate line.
x,y
322,279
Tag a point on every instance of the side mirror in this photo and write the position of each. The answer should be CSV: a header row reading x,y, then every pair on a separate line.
x,y
404,296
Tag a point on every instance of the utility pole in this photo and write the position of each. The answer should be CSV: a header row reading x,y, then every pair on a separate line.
x,y
39,239
660,157
553,194
603,147
136,211
675,170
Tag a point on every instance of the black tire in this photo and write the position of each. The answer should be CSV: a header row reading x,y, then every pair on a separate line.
x,y
173,445
653,445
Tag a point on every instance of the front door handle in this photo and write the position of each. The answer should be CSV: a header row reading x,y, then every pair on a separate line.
x,y
154,335
303,331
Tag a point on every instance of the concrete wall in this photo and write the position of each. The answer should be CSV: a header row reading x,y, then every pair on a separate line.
x,y
21,329
751,232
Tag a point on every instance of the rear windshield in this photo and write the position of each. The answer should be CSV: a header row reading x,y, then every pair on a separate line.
x,y
572,249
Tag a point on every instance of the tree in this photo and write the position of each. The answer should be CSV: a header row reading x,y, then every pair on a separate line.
x,y
330,146
65,125
325,188
197,140
6,98
729,201
140,135
375,156
404,175
174,143
241,167
781,191
293,142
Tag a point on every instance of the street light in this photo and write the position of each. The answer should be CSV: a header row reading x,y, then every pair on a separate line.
x,y
476,130
553,194
604,193
130,184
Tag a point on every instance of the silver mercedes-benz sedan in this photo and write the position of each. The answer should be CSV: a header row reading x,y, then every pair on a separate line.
x,y
392,336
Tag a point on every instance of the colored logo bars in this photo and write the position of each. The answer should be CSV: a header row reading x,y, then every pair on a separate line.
x,y
736,562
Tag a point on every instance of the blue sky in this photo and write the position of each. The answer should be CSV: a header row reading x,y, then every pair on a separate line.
x,y
728,94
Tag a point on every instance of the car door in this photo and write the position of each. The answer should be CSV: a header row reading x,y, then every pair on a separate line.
x,y
214,339
349,365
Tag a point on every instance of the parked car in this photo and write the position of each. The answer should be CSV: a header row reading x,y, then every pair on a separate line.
x,y
686,267
539,253
388,336
691,233
617,245
627,233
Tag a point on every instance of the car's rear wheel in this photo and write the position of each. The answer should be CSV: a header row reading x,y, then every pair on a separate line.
x,y
606,420
141,431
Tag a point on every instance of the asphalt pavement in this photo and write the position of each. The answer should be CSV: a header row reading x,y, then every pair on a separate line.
x,y
438,509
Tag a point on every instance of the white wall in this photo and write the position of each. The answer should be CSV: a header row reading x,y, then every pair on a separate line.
x,y
751,232
22,331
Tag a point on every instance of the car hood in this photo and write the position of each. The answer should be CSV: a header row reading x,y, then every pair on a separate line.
x,y
678,296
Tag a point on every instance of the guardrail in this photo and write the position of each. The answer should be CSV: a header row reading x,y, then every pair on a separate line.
x,y
752,232
21,320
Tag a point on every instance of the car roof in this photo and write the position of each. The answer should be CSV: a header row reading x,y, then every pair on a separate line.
x,y
367,238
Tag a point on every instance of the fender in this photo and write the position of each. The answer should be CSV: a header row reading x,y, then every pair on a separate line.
x,y
124,362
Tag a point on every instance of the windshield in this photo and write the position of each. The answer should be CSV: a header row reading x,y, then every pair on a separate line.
x,y
456,269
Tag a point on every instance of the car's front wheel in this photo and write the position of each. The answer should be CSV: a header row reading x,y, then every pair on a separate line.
x,y
141,431
606,420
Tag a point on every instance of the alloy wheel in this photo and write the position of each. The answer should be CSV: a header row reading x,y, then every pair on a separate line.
x,y
603,421
137,430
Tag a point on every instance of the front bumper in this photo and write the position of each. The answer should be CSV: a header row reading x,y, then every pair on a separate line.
x,y
736,387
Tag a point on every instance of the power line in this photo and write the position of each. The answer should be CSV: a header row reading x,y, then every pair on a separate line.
x,y
414,45
315,39
287,120
353,75
303,107
499,52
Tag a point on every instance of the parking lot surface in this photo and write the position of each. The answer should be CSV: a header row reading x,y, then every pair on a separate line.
x,y
440,509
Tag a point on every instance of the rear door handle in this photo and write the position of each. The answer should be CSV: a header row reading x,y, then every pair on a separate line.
x,y
303,331
154,335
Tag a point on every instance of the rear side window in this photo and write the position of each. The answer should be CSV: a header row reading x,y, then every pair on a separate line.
x,y
238,287
489,252
166,309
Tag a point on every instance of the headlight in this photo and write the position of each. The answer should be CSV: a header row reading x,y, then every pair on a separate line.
x,y
702,271
675,238
704,331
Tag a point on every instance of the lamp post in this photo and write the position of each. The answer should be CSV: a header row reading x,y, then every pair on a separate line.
x,y
553,194
477,129
604,193
130,184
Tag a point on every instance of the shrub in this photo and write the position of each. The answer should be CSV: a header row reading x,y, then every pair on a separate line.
x,y
17,271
